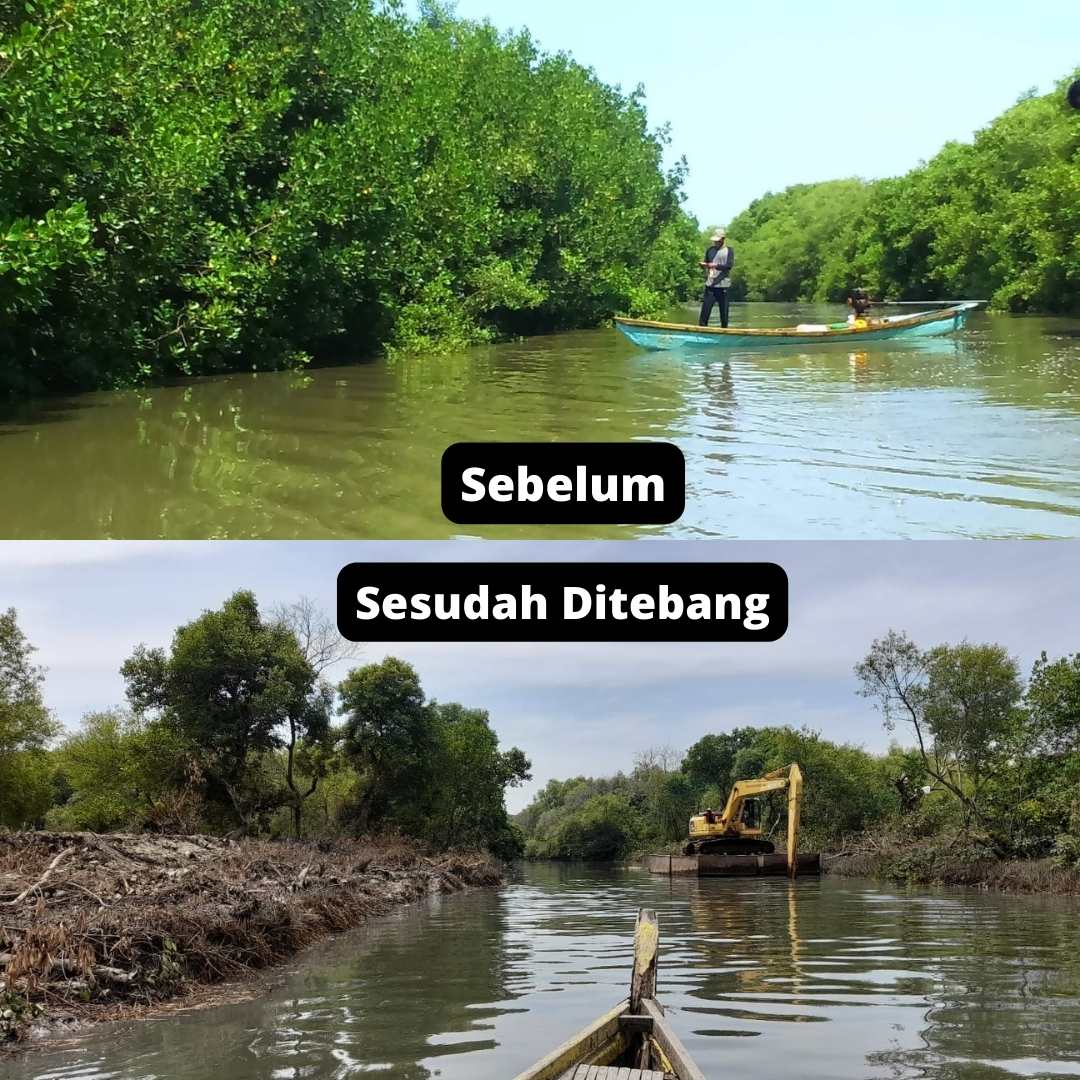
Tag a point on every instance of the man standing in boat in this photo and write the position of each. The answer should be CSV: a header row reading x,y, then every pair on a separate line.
x,y
717,264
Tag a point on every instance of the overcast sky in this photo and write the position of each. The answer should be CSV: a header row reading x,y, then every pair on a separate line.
x,y
760,96
573,708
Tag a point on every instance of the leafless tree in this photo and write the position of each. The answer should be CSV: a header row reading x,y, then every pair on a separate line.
x,y
657,758
322,646
318,635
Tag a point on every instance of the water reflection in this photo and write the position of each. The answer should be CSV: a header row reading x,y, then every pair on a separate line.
x,y
977,435
762,978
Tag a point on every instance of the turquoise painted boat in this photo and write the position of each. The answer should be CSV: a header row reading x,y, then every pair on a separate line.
x,y
660,335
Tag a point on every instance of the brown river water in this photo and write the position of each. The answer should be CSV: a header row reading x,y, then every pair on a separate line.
x,y
977,435
831,979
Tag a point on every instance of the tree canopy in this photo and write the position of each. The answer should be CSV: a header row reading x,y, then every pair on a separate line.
x,y
26,726
990,763
229,685
189,187
232,728
997,218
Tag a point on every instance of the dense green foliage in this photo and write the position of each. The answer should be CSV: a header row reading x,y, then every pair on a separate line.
x,y
386,735
231,686
230,731
26,726
997,219
847,790
188,187
1000,759
122,771
994,772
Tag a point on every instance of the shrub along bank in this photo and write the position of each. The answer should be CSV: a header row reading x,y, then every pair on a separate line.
x,y
892,854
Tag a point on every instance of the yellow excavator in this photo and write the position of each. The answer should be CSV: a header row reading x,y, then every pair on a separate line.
x,y
737,829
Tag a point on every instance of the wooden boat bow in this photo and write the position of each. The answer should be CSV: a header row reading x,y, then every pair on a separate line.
x,y
631,1042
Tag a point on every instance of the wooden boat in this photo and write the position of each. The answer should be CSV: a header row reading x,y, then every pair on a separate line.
x,y
631,1042
661,335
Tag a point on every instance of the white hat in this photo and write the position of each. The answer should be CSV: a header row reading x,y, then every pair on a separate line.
x,y
719,235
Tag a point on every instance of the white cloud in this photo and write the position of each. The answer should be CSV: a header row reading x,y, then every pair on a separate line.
x,y
58,554
573,707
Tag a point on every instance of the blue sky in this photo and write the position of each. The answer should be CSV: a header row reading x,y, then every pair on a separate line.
x,y
760,96
572,708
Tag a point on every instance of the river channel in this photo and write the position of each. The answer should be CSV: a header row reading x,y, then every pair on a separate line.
x,y
831,979
976,435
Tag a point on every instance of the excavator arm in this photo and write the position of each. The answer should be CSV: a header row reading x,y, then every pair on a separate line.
x,y
794,817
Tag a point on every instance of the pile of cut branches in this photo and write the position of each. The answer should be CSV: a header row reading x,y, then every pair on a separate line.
x,y
92,927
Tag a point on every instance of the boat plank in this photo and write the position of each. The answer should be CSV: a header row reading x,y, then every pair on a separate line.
x,y
585,1044
625,1045
603,1072
646,941
670,1043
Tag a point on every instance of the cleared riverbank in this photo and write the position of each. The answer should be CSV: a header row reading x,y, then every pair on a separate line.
x,y
931,862
939,862
101,927
850,980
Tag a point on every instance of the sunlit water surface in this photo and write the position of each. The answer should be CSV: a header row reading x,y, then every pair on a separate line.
x,y
764,980
975,435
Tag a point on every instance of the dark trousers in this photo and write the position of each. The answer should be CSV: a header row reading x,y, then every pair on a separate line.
x,y
713,296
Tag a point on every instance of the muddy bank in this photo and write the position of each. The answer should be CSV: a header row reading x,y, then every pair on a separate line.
x,y
941,864
100,927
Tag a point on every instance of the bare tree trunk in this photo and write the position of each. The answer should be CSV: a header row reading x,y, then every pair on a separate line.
x,y
296,800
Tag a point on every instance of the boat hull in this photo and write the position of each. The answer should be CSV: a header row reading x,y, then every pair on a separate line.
x,y
631,1042
663,336
607,1041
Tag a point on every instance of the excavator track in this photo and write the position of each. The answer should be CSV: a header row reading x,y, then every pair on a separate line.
x,y
729,845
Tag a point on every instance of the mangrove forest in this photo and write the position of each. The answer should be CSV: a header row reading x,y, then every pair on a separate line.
x,y
997,219
981,783
235,730
191,187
